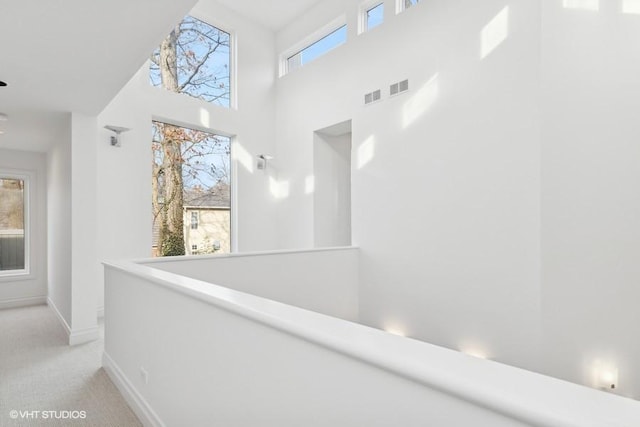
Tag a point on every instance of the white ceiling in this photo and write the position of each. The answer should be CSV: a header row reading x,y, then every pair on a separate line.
x,y
59,56
273,14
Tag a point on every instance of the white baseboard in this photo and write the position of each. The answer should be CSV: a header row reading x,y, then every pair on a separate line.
x,y
84,335
63,322
100,312
76,337
23,302
138,404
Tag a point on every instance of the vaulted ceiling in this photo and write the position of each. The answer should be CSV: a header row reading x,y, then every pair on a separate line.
x,y
59,56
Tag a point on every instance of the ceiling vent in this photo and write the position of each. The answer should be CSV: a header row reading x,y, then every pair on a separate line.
x,y
372,97
399,87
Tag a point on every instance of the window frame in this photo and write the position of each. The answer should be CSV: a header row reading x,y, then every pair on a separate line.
x,y
28,177
233,174
401,8
363,14
310,40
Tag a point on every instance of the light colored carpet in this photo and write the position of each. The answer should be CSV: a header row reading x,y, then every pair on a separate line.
x,y
40,372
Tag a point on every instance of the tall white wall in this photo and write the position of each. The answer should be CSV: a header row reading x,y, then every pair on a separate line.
x,y
32,288
71,217
495,203
124,174
84,265
59,224
590,194
445,180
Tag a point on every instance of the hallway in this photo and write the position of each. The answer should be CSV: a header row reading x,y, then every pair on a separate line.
x,y
40,372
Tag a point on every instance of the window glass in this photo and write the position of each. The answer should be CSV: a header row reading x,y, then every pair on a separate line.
x,y
375,16
191,188
194,59
12,225
319,48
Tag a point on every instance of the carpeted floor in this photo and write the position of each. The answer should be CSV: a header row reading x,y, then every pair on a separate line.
x,y
40,372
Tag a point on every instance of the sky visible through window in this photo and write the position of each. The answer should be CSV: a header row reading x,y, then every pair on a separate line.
x,y
375,16
203,62
319,48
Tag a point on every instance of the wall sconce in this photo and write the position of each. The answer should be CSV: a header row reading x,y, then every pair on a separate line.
x,y
605,377
262,161
115,139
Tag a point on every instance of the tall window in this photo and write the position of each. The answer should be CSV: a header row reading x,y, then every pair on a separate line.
x,y
13,254
319,48
191,185
195,59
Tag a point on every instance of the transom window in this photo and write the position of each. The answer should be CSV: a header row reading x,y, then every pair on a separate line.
x,y
318,48
194,59
374,16
406,4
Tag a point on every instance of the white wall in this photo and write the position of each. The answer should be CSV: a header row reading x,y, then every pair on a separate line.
x,y
325,281
124,174
590,195
330,185
84,265
249,361
445,181
72,228
33,288
59,224
510,165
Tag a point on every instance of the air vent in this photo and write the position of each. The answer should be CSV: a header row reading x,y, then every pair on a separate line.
x,y
399,87
372,96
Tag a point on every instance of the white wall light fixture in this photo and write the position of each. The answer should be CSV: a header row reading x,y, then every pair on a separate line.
x,y
605,376
263,159
114,140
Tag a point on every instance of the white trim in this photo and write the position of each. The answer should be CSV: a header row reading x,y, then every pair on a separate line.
x,y
27,177
82,336
184,258
76,337
363,9
23,302
400,6
136,402
63,322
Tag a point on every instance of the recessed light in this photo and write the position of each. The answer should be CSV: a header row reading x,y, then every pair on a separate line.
x,y
2,83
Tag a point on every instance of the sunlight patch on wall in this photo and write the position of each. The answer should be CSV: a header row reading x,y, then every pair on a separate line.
x,y
366,152
242,156
495,32
205,118
309,184
631,6
421,102
581,4
279,189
